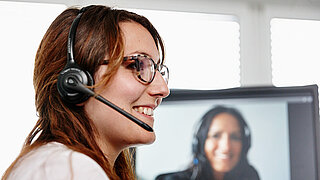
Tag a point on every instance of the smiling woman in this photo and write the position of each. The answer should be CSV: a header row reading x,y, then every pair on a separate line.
x,y
220,148
76,136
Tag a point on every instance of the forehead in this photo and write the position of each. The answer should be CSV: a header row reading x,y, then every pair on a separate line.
x,y
224,122
137,39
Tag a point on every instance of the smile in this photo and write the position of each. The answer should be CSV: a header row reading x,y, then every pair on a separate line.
x,y
144,110
222,156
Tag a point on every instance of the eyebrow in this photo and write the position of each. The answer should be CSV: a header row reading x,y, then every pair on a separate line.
x,y
144,53
220,131
139,52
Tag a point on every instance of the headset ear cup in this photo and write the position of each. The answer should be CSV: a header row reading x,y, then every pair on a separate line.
x,y
249,141
195,145
69,95
247,138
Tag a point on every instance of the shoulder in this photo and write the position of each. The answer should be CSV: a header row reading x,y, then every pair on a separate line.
x,y
253,173
180,175
56,161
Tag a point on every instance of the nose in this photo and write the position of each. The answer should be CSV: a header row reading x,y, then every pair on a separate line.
x,y
158,87
224,144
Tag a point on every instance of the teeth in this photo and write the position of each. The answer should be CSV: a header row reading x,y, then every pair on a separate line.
x,y
222,156
144,110
150,111
140,109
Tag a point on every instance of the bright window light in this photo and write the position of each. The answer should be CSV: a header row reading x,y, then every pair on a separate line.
x,y
202,50
295,52
22,28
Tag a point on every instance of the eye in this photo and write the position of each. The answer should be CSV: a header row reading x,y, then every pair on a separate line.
x,y
216,135
235,137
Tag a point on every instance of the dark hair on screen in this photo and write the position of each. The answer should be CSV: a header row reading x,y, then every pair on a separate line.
x,y
98,35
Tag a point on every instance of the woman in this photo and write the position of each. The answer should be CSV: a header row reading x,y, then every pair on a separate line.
x,y
83,138
220,149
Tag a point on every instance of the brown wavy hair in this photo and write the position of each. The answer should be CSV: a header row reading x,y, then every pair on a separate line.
x,y
98,34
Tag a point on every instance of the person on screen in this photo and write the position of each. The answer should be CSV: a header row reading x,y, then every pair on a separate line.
x,y
76,135
220,147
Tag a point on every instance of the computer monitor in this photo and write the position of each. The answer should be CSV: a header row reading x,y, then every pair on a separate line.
x,y
284,124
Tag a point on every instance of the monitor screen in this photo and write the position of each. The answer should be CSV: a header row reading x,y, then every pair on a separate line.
x,y
283,123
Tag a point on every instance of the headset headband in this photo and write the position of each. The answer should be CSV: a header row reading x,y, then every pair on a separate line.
x,y
72,35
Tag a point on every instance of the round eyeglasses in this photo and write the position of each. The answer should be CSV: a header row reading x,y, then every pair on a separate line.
x,y
145,68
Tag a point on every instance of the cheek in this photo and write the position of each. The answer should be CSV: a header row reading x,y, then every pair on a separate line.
x,y
126,90
96,111
237,148
209,148
123,85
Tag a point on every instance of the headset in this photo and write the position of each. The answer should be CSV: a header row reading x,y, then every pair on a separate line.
x,y
72,69
73,82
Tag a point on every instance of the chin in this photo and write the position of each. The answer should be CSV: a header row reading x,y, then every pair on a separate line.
x,y
224,169
149,138
145,138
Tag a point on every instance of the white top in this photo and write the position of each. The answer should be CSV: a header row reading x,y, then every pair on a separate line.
x,y
55,161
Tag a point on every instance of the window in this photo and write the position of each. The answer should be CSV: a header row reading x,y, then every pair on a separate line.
x,y
295,51
202,50
22,28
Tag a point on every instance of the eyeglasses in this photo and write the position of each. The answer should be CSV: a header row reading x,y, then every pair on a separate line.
x,y
145,68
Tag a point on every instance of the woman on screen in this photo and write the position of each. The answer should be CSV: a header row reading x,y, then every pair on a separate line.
x,y
220,149
117,56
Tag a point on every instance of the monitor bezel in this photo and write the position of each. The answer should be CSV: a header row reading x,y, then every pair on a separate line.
x,y
258,92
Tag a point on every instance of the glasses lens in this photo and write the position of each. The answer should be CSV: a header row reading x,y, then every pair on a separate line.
x,y
146,71
164,71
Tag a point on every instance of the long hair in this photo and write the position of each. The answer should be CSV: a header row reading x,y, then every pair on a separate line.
x,y
98,35
201,168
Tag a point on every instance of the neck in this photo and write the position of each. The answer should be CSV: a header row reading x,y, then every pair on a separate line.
x,y
110,151
218,175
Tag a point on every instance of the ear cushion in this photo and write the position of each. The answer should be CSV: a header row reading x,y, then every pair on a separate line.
x,y
247,139
195,145
69,95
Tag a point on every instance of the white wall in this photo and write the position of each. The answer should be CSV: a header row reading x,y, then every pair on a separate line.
x,y
20,36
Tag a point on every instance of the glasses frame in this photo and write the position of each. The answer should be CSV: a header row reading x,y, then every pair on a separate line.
x,y
135,57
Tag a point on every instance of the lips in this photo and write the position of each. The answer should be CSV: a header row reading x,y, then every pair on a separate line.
x,y
144,110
